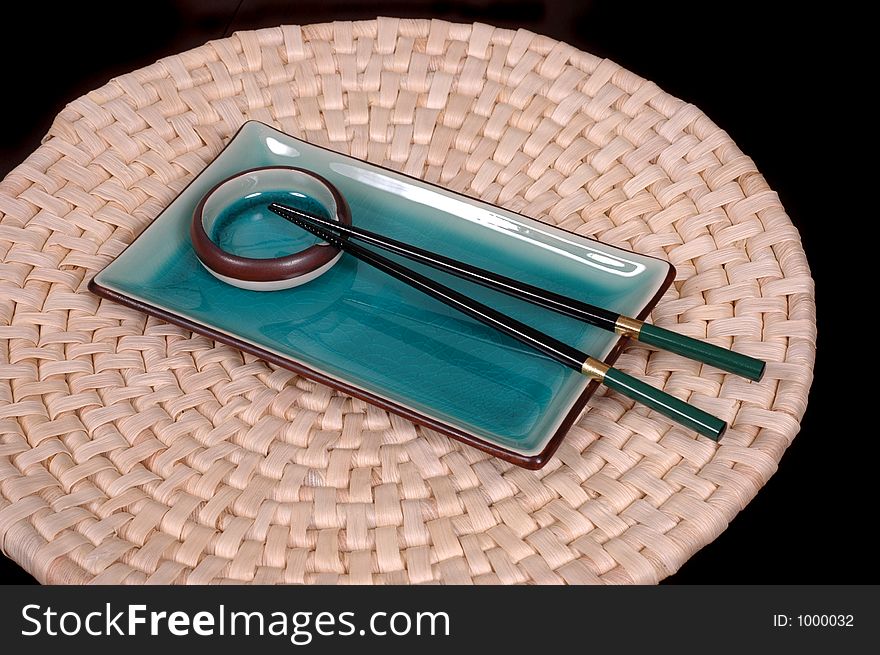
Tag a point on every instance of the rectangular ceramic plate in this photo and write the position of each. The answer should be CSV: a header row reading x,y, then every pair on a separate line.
x,y
369,335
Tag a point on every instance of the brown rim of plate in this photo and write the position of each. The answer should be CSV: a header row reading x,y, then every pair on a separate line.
x,y
272,269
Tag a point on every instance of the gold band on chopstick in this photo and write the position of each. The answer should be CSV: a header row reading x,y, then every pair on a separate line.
x,y
628,327
594,369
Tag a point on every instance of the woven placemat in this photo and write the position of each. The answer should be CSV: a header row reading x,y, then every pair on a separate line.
x,y
133,451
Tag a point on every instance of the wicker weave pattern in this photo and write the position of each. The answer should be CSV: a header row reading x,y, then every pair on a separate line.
x,y
134,452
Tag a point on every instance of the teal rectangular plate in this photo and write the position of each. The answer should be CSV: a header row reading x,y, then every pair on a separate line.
x,y
369,335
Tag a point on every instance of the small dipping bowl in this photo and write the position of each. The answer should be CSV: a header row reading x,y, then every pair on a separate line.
x,y
239,241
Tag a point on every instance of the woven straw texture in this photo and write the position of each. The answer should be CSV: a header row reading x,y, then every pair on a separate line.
x,y
136,452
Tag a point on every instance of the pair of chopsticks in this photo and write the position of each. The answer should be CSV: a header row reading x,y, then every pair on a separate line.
x,y
679,411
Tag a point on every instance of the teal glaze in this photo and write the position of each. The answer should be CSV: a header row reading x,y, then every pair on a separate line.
x,y
679,411
247,229
701,351
356,324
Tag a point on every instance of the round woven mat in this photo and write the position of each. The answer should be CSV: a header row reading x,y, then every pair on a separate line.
x,y
133,451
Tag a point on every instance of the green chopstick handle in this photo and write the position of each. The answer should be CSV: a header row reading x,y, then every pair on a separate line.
x,y
726,360
678,410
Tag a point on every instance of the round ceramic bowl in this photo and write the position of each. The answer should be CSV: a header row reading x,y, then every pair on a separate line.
x,y
239,241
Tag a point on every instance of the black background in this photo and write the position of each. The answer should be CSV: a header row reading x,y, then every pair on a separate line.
x,y
768,77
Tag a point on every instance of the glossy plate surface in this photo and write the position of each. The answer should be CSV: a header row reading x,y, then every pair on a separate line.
x,y
371,335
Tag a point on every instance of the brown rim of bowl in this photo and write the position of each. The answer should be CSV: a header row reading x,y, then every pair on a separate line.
x,y
265,270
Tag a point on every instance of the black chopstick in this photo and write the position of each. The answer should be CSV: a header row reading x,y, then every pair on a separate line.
x,y
670,406
708,353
